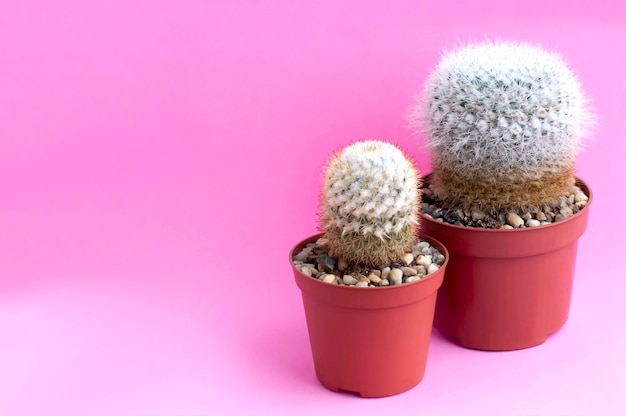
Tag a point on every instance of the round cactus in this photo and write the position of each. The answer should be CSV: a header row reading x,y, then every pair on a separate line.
x,y
504,124
370,202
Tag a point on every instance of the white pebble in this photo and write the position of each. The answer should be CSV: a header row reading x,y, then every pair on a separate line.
x,y
362,284
412,279
532,223
432,268
424,260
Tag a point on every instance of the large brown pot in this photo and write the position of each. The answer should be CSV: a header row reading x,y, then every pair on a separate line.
x,y
371,341
507,289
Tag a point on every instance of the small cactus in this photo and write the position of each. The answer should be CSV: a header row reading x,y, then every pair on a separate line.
x,y
504,123
369,204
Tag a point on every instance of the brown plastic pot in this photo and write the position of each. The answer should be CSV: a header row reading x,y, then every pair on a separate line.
x,y
507,289
370,341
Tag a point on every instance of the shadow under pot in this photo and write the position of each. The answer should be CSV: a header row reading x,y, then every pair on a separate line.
x,y
507,289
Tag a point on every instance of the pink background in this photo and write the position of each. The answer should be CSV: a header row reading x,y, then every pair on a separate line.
x,y
158,160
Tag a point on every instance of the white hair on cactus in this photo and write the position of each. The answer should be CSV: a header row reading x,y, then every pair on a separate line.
x,y
501,106
370,188
370,202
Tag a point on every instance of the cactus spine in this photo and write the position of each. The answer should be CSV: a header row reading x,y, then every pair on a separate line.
x,y
504,123
369,204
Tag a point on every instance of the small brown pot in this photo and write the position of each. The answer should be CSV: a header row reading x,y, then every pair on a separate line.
x,y
371,341
507,289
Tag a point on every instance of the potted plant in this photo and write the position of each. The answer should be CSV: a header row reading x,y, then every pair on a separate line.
x,y
368,282
504,122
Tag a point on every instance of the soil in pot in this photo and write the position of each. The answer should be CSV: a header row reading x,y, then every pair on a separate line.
x,y
365,339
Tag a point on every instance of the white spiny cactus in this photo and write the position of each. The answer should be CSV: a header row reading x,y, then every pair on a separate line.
x,y
369,203
502,115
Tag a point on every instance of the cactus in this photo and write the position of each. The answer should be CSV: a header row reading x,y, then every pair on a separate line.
x,y
369,204
504,123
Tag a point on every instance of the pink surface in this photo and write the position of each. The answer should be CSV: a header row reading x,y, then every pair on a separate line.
x,y
158,160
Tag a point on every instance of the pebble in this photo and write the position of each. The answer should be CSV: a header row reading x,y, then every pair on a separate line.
x,y
514,220
422,245
408,271
384,282
559,217
349,279
301,256
506,227
531,222
424,260
362,284
581,197
526,216
306,271
432,268
541,216
408,258
412,279
477,214
566,211
374,278
395,277
330,278
385,272
426,208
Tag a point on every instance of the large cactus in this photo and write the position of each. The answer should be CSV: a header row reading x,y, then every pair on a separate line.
x,y
369,204
504,123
